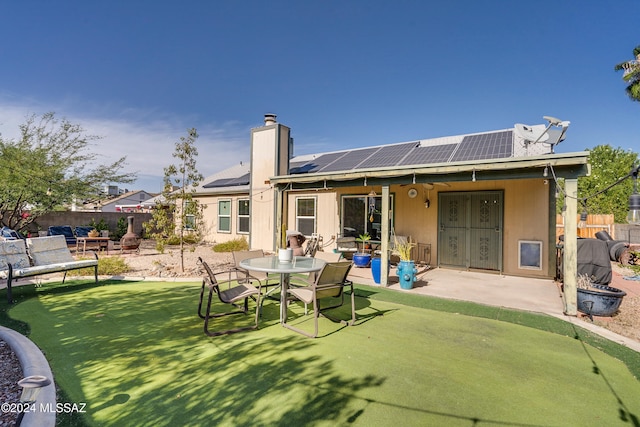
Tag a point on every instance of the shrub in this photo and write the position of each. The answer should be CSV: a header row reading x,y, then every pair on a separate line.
x,y
107,266
239,244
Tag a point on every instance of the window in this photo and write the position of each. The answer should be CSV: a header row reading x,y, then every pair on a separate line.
x,y
243,216
362,214
224,216
189,216
306,215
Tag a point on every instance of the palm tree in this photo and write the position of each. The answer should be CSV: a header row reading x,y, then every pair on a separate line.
x,y
632,75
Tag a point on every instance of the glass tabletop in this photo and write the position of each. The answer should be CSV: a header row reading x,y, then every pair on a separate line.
x,y
272,264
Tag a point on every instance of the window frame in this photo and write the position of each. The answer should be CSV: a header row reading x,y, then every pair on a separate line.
x,y
314,217
240,216
367,225
229,215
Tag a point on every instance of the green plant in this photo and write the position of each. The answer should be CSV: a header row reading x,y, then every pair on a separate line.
x,y
403,249
107,266
364,238
100,225
239,244
121,228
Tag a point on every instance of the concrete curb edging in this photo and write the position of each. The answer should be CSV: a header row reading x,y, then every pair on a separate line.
x,y
33,362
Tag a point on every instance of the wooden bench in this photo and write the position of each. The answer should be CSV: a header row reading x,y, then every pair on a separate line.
x,y
36,256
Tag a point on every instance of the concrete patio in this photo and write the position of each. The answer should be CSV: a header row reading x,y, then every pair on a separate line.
x,y
521,293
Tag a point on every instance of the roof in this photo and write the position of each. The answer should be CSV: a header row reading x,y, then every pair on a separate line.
x,y
445,153
231,180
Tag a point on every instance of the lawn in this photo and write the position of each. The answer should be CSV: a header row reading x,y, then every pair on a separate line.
x,y
136,354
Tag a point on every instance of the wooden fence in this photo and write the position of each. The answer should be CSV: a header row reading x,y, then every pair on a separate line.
x,y
593,224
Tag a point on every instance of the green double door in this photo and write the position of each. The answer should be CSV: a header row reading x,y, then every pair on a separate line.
x,y
470,229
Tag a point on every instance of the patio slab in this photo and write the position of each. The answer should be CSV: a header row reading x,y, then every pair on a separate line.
x,y
520,293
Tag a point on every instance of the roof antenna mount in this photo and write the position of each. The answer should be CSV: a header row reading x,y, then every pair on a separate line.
x,y
552,134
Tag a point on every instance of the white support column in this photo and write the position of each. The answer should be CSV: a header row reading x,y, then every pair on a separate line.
x,y
570,260
384,249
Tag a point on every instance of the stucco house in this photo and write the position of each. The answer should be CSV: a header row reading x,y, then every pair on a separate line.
x,y
483,201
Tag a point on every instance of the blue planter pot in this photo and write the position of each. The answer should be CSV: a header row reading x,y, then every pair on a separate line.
x,y
376,270
361,260
407,274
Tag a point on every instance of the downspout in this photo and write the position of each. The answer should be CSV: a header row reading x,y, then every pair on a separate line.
x,y
278,217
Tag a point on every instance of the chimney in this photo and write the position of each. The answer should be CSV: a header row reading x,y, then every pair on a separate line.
x,y
269,119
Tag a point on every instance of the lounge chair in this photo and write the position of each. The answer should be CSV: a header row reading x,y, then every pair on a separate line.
x,y
330,283
229,291
64,230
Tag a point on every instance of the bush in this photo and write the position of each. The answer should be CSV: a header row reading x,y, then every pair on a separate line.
x,y
107,266
239,244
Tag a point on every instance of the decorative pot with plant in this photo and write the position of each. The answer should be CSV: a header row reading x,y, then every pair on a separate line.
x,y
362,259
93,233
406,267
284,254
597,300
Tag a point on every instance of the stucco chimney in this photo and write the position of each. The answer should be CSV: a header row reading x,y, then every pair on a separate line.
x,y
269,119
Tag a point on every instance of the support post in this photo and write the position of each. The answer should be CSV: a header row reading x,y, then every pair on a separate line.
x,y
384,227
570,260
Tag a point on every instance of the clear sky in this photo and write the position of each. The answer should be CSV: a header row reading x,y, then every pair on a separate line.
x,y
340,73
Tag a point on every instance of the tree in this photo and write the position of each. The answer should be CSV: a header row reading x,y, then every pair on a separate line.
x,y
48,167
631,74
608,165
178,211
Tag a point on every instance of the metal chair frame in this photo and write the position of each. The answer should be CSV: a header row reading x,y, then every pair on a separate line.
x,y
234,293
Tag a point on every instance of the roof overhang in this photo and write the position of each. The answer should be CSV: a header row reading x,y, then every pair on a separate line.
x,y
565,165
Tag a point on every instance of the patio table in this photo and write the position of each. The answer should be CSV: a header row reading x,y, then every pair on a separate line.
x,y
272,264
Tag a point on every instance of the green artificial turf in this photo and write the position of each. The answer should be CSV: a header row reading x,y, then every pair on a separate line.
x,y
136,354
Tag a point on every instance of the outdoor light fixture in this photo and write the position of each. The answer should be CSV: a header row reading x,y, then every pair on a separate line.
x,y
473,176
583,218
31,387
545,173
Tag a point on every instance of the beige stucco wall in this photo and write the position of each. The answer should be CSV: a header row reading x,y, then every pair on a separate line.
x,y
210,218
526,206
525,216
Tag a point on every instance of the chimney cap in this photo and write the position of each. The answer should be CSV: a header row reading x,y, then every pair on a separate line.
x,y
269,119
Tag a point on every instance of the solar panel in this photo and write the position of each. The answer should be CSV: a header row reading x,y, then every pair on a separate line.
x,y
318,163
229,182
350,160
390,155
432,154
494,145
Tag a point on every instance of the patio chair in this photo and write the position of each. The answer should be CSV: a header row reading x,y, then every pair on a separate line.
x,y
266,279
229,291
326,257
330,283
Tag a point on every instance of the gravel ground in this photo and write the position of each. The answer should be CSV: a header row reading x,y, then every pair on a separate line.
x,y
11,373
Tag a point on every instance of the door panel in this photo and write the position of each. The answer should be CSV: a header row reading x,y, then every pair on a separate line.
x,y
452,237
470,232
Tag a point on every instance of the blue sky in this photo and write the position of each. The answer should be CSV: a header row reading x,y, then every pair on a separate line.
x,y
341,74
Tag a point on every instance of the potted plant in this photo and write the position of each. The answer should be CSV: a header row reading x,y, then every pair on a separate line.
x,y
285,254
597,300
362,259
406,267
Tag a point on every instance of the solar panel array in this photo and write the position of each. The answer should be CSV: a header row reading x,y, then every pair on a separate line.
x,y
492,145
229,182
